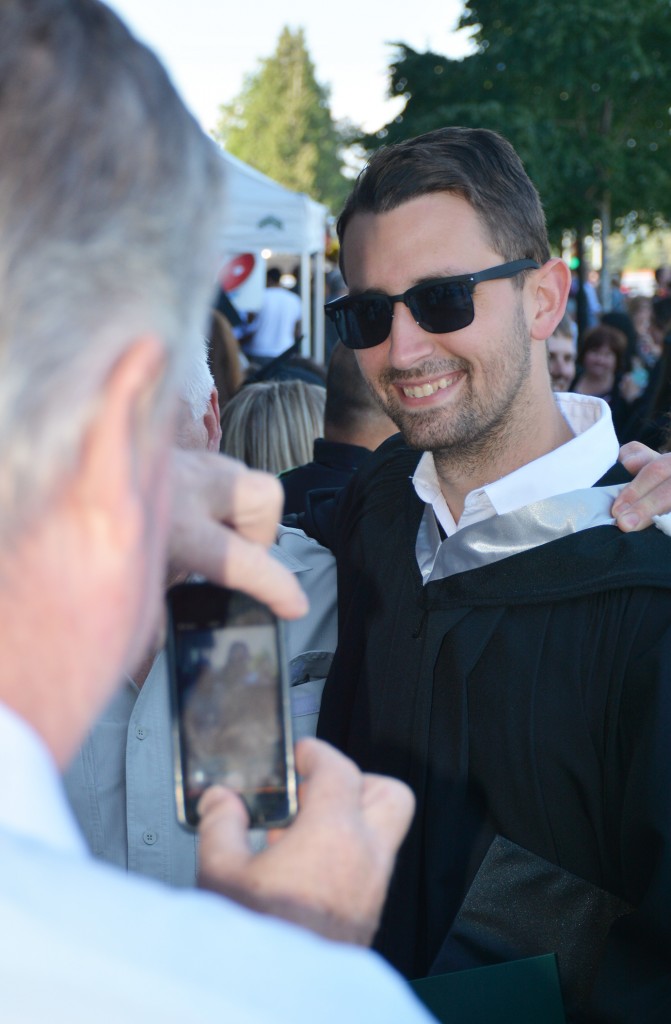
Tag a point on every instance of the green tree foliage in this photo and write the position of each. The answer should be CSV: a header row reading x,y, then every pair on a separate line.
x,y
281,124
581,89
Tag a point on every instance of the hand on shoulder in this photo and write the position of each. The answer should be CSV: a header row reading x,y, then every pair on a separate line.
x,y
649,493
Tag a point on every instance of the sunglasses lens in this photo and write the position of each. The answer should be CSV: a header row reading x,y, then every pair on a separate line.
x,y
362,323
442,308
438,307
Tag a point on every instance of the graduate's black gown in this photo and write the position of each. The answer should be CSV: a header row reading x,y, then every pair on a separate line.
x,y
528,704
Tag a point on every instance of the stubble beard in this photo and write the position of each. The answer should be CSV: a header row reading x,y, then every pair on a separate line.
x,y
483,423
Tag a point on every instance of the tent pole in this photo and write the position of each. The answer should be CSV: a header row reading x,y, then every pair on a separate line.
x,y
306,291
319,288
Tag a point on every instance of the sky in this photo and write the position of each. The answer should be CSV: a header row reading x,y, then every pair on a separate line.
x,y
208,46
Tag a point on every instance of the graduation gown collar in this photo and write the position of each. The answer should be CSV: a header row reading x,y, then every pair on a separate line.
x,y
512,533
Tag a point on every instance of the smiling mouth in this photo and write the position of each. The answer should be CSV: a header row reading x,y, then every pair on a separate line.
x,y
430,388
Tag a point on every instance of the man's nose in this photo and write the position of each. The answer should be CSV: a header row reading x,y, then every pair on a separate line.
x,y
409,343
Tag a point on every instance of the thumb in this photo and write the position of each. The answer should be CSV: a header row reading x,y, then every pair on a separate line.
x,y
224,850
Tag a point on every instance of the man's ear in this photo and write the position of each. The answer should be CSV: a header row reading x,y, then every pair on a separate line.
x,y
551,283
116,457
212,421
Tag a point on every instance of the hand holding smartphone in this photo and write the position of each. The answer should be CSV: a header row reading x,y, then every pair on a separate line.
x,y
230,703
329,871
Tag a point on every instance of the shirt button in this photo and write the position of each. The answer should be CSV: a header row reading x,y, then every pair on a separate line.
x,y
149,838
141,732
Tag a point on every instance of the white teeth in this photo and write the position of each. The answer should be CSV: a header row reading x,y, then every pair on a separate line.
x,y
424,390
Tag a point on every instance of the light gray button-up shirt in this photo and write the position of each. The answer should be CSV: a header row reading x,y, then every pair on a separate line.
x,y
121,782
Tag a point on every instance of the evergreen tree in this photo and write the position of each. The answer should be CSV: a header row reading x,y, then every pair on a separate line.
x,y
281,124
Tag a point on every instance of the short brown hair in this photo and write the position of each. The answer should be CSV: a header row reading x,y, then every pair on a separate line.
x,y
474,163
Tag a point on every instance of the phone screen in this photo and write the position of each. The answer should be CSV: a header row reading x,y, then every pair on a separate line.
x,y
230,702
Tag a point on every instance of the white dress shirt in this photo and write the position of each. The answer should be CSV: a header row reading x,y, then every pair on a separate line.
x,y
579,463
82,941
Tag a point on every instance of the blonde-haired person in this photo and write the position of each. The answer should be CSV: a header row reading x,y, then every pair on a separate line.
x,y
273,425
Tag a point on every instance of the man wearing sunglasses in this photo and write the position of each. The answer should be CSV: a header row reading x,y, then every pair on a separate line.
x,y
504,648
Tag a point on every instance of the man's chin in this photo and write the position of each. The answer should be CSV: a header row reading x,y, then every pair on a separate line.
x,y
424,429
423,436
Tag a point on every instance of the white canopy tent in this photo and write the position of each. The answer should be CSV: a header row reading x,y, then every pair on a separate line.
x,y
261,214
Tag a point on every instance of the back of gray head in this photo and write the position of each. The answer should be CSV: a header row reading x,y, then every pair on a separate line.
x,y
110,202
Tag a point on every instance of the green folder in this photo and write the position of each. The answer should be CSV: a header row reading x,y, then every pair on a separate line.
x,y
518,992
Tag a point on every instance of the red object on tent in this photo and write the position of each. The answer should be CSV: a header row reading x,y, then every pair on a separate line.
x,y
237,270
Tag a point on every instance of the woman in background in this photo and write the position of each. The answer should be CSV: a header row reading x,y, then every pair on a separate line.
x,y
601,357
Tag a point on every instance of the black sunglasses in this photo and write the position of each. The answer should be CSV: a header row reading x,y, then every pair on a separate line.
x,y
439,307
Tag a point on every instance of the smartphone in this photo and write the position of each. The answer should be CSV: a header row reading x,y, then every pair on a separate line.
x,y
231,714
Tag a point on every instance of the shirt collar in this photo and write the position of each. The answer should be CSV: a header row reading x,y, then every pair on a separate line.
x,y
579,463
32,800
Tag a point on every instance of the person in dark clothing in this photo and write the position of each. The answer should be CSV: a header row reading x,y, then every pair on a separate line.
x,y
602,357
649,417
503,648
354,425
652,424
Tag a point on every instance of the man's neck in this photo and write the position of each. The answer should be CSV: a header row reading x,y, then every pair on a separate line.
x,y
493,457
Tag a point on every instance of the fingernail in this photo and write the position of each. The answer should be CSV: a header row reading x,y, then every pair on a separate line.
x,y
629,521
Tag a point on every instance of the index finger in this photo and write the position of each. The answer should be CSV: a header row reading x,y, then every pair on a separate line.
x,y
634,456
226,558
208,485
223,517
253,501
649,493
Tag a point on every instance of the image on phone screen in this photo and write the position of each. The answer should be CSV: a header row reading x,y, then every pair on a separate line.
x,y
231,710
